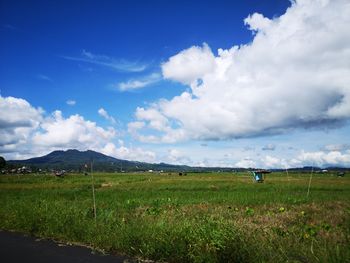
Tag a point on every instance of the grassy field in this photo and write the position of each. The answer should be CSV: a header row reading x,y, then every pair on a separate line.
x,y
214,217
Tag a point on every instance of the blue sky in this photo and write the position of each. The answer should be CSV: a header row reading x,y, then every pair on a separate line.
x,y
226,83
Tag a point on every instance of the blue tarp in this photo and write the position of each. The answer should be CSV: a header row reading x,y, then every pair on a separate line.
x,y
258,177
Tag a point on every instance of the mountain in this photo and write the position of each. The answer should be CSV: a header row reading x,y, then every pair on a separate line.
x,y
70,156
78,160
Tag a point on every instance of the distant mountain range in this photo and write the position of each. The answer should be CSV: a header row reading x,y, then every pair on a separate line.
x,y
80,161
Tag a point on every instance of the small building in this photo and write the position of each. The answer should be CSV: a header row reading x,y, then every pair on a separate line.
x,y
259,175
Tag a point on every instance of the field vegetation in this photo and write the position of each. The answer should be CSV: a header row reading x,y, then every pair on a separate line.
x,y
202,217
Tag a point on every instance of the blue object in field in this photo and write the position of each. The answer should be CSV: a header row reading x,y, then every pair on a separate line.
x,y
258,177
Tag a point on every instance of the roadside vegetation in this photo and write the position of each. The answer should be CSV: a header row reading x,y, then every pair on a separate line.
x,y
211,217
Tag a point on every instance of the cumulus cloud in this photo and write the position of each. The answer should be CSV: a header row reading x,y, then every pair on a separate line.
x,y
301,159
294,74
26,131
323,159
246,162
139,83
74,131
190,64
177,157
136,125
18,120
131,153
257,22
102,112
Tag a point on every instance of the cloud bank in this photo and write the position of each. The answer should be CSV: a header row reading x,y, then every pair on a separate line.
x,y
303,158
26,131
294,74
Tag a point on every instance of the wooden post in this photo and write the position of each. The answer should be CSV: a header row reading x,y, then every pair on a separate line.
x,y
93,189
308,189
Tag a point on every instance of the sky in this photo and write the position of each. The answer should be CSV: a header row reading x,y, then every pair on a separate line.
x,y
203,83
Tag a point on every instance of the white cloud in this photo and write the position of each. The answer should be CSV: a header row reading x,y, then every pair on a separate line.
x,y
71,102
247,162
102,112
257,22
72,132
139,83
337,147
18,119
176,156
320,158
156,119
132,126
25,132
273,162
294,74
190,64
106,61
303,158
131,153
44,77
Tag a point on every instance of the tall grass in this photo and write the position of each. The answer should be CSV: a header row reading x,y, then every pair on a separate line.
x,y
195,218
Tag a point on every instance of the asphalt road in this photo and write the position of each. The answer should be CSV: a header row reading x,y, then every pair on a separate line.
x,y
16,247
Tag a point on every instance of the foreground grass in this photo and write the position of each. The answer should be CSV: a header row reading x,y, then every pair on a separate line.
x,y
195,218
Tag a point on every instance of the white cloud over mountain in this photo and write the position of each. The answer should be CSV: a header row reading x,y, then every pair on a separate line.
x,y
129,153
25,131
74,132
294,74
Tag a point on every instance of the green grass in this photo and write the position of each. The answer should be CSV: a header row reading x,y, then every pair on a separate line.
x,y
214,217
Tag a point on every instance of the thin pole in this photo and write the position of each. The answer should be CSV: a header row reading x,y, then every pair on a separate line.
x,y
93,189
287,175
308,189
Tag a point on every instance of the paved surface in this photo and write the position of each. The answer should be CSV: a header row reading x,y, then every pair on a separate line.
x,y
16,247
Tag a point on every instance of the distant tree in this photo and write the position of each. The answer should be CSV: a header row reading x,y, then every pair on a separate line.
x,y
2,162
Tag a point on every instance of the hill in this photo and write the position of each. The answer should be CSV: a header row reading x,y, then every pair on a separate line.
x,y
78,160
